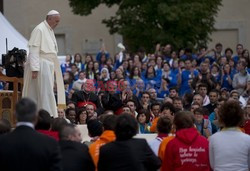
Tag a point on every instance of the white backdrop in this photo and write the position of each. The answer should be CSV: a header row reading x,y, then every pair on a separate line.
x,y
15,39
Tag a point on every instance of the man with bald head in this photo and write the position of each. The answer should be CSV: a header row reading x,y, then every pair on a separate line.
x,y
41,66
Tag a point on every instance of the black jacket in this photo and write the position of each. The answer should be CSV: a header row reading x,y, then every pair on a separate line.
x,y
129,155
27,150
114,101
82,96
75,156
111,101
210,107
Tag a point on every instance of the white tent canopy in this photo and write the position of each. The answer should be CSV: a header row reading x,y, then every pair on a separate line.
x,y
14,38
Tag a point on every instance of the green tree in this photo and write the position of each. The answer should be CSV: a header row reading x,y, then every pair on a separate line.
x,y
182,23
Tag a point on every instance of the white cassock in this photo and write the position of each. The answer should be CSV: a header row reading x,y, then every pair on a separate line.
x,y
43,58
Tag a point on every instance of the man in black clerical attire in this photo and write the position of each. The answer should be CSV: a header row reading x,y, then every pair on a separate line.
x,y
25,149
87,96
114,101
75,156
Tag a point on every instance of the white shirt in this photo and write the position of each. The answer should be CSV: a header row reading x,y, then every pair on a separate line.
x,y
155,144
229,150
29,124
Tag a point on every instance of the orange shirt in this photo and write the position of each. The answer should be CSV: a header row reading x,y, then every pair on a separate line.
x,y
163,145
154,125
94,149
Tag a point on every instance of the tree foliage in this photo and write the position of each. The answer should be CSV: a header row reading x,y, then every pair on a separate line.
x,y
182,23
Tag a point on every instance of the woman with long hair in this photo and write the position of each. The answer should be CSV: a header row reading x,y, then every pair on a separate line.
x,y
88,58
226,77
78,61
135,75
151,79
143,119
245,54
90,73
82,116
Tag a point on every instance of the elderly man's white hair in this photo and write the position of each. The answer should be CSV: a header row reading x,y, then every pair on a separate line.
x,y
53,12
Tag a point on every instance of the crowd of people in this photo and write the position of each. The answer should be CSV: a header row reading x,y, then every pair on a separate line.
x,y
196,102
144,84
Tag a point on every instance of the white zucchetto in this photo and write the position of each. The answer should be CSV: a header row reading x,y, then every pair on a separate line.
x,y
53,12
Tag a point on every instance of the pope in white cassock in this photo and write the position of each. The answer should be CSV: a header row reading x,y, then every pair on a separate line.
x,y
41,66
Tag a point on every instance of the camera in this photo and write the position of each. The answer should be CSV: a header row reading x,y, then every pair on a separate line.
x,y
13,62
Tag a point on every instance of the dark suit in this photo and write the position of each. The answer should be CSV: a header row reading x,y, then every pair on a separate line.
x,y
114,101
27,150
75,156
129,155
82,96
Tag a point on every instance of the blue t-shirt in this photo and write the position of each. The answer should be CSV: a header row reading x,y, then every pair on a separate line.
x,y
185,77
162,94
99,55
225,82
236,59
65,67
172,77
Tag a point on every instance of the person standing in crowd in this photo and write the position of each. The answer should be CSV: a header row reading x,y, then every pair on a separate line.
x,y
112,100
77,85
145,103
239,50
44,124
198,99
95,129
71,115
173,92
42,64
143,119
204,77
178,103
75,156
78,61
87,96
203,125
107,136
229,149
126,152
153,95
135,75
226,77
124,95
167,109
213,98
26,149
241,79
164,127
82,116
186,77
188,150
202,90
